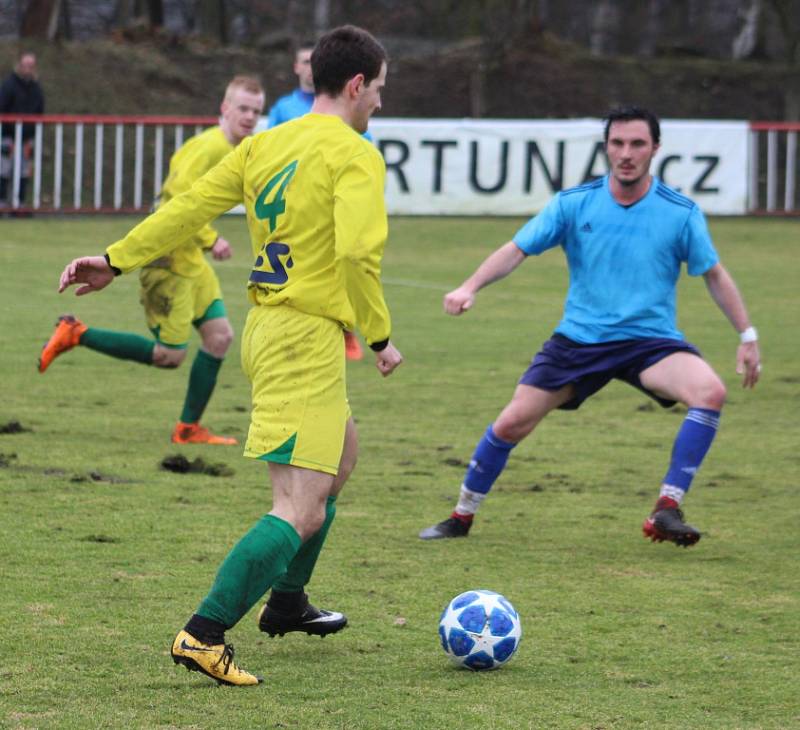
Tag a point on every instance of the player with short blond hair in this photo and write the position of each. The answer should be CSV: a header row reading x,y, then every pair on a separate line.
x,y
180,290
250,84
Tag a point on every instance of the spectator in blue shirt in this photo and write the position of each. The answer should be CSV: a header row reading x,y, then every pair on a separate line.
x,y
300,100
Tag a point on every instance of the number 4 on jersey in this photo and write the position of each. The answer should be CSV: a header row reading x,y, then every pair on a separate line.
x,y
277,205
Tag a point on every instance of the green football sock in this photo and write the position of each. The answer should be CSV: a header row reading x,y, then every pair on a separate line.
x,y
202,379
124,345
246,574
302,566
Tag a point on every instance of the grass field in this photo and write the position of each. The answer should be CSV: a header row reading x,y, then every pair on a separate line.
x,y
104,555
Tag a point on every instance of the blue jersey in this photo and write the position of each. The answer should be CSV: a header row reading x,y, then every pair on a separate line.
x,y
294,105
624,261
289,107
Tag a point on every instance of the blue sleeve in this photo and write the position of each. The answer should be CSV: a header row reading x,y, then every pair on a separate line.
x,y
544,231
699,252
274,118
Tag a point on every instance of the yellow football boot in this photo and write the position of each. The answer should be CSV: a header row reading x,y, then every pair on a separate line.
x,y
214,661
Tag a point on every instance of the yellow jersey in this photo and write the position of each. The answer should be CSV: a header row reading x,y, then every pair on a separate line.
x,y
191,161
313,194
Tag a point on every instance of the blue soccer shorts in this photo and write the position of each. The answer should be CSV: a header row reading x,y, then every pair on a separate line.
x,y
590,368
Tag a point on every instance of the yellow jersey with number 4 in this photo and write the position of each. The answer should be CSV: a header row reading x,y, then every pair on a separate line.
x,y
313,194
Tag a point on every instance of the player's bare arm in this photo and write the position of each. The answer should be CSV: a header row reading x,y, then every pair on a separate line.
x,y
94,272
725,293
497,266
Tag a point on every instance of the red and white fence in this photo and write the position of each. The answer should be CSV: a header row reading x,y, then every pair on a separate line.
x,y
116,164
772,186
90,163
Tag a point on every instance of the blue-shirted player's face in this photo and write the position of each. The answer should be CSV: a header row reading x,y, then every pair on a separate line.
x,y
630,150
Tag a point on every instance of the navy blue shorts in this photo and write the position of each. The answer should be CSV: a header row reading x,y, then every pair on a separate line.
x,y
591,367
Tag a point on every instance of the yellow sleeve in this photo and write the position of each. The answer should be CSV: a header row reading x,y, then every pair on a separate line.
x,y
193,161
209,236
176,220
361,227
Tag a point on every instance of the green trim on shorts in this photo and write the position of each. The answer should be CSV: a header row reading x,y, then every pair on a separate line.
x,y
157,334
283,454
216,310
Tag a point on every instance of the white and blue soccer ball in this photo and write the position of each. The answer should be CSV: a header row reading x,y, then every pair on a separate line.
x,y
480,630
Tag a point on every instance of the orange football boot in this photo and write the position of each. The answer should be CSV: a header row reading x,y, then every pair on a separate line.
x,y
352,347
194,433
66,336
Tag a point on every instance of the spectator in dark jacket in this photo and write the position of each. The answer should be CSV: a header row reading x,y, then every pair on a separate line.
x,y
20,93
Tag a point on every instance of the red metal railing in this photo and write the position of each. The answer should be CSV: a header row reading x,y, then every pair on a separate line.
x,y
52,157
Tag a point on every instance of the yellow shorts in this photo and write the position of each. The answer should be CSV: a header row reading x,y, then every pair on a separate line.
x,y
296,366
172,303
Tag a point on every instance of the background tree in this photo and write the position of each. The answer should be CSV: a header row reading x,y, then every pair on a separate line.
x,y
40,19
212,20
787,13
129,13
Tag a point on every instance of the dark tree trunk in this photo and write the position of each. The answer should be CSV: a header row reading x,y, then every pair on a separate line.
x,y
211,20
155,12
40,19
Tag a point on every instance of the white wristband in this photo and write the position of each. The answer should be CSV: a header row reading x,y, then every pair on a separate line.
x,y
749,335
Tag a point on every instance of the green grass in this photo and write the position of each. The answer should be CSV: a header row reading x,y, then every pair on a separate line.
x,y
104,556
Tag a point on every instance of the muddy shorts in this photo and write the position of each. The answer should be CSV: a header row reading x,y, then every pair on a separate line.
x,y
174,304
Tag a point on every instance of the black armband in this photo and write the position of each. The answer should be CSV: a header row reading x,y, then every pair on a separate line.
x,y
379,346
113,268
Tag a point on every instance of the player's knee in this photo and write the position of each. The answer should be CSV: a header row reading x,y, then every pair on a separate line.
x,y
711,395
511,428
311,522
717,395
168,357
219,341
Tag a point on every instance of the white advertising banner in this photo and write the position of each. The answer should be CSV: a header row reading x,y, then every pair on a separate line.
x,y
503,167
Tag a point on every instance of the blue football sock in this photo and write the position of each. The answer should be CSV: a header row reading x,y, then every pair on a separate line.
x,y
487,462
691,445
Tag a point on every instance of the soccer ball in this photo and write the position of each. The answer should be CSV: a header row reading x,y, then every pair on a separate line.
x,y
480,630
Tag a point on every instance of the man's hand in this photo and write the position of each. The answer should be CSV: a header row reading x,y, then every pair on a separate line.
x,y
91,271
459,300
388,359
748,362
221,249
